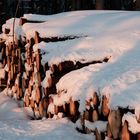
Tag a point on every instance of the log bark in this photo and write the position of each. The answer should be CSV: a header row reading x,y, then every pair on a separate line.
x,y
86,114
38,60
27,101
138,119
50,82
39,79
7,51
72,108
12,72
30,88
109,133
43,106
19,93
38,95
74,113
3,52
138,136
32,103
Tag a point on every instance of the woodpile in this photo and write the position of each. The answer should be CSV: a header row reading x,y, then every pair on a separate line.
x,y
24,76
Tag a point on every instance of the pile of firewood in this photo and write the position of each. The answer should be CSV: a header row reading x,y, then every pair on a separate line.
x,y
24,74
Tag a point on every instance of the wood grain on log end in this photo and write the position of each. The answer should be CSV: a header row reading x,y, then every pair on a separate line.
x,y
109,133
37,95
72,107
26,100
86,115
95,115
38,60
36,38
43,105
32,103
125,135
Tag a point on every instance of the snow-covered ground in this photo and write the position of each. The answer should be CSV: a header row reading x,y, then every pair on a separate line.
x,y
14,125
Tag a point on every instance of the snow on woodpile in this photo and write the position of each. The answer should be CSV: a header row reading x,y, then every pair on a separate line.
x,y
102,41
134,126
114,34
118,80
82,50
37,17
91,23
100,125
8,29
9,24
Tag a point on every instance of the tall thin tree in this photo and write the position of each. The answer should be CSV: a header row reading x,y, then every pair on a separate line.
x,y
17,7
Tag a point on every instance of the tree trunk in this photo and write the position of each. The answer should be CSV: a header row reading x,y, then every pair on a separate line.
x,y
99,4
138,5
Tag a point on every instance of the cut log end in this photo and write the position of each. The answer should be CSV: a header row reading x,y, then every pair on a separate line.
x,y
125,135
36,38
104,108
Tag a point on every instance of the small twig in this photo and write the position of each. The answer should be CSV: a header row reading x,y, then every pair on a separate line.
x,y
14,22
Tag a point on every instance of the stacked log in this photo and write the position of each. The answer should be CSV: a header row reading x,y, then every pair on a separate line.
x,y
98,109
115,129
57,71
32,81
11,61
